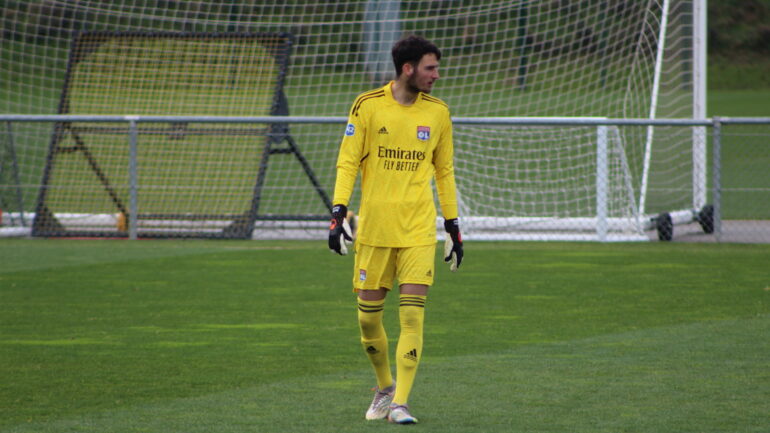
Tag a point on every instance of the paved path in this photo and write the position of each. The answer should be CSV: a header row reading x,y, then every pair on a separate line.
x,y
755,232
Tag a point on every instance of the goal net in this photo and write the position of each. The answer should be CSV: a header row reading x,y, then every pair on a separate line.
x,y
591,58
556,182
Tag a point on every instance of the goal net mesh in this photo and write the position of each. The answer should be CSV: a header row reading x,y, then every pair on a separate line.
x,y
591,58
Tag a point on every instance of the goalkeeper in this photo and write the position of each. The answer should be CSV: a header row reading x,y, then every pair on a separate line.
x,y
399,137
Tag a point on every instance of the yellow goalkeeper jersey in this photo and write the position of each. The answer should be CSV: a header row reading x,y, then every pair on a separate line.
x,y
398,149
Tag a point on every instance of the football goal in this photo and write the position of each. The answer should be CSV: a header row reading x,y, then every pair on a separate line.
x,y
587,59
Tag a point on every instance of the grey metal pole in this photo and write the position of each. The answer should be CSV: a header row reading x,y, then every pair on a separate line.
x,y
15,166
132,180
522,41
602,179
716,178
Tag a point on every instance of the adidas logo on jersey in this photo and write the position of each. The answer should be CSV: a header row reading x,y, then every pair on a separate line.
x,y
412,355
383,130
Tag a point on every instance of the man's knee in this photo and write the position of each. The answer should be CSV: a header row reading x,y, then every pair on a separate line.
x,y
373,295
411,313
370,316
414,289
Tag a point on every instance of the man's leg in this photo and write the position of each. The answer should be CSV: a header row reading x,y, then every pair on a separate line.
x,y
409,350
371,304
373,276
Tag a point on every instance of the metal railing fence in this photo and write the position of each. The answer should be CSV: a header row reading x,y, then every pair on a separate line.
x,y
716,124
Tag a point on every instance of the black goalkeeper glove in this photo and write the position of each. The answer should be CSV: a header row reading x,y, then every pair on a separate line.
x,y
339,230
453,245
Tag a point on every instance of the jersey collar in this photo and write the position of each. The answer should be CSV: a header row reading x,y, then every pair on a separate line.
x,y
389,93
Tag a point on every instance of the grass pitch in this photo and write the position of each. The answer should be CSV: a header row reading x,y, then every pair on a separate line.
x,y
237,336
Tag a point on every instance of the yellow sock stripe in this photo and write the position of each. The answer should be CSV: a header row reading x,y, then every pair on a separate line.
x,y
371,307
412,300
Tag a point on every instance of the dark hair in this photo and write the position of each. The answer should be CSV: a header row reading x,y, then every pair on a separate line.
x,y
411,49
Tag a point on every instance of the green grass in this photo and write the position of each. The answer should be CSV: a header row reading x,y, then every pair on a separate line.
x,y
739,103
746,74
188,336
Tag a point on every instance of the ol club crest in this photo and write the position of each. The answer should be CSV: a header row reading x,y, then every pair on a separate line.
x,y
423,133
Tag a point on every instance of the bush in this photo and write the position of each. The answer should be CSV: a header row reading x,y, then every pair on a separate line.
x,y
739,28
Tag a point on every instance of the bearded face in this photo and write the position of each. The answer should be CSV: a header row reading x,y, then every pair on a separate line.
x,y
424,75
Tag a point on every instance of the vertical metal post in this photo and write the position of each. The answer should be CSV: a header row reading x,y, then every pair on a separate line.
x,y
381,28
132,179
699,54
699,164
15,166
716,178
603,8
522,40
602,177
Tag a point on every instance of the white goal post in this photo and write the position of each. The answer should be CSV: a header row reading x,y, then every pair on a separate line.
x,y
586,59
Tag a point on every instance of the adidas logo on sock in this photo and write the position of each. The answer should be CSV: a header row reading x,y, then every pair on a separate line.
x,y
412,354
383,130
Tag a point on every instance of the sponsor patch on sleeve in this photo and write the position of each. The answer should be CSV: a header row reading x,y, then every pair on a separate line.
x,y
350,130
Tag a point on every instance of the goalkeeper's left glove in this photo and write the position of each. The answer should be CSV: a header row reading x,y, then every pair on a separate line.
x,y
339,230
453,245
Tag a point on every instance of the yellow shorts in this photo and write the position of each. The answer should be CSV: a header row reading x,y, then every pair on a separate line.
x,y
377,267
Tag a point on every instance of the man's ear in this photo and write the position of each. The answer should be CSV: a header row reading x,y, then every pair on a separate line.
x,y
407,69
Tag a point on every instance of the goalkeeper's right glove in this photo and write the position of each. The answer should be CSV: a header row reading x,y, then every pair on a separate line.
x,y
453,245
339,230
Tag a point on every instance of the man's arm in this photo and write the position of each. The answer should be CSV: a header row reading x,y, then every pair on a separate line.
x,y
348,163
443,160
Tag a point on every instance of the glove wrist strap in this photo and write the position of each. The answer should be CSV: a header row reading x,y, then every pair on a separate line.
x,y
339,211
452,226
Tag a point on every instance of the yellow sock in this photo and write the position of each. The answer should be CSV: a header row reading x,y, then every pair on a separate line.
x,y
374,339
411,313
